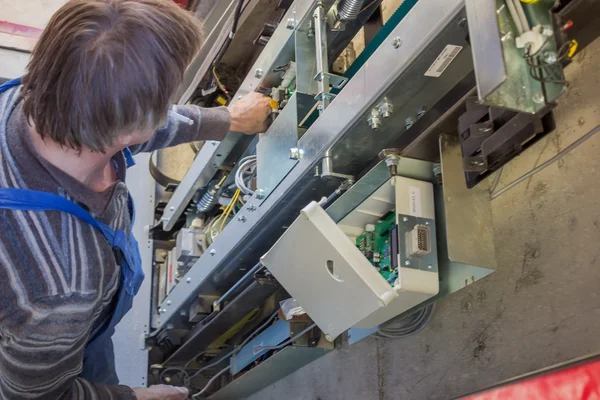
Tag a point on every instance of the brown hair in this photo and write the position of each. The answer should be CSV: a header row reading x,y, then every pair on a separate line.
x,y
103,67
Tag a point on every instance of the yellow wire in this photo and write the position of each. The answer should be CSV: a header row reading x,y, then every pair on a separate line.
x,y
227,211
222,180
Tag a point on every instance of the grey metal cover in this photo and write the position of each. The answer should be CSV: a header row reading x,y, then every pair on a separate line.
x,y
326,273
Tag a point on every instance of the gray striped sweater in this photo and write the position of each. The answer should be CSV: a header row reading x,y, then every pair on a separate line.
x,y
58,275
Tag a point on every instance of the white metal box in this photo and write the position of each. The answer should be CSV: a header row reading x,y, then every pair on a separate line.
x,y
318,263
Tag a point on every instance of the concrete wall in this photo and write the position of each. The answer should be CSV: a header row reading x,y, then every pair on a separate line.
x,y
35,13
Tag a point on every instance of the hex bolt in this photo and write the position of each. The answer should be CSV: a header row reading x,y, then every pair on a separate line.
x,y
374,119
409,123
213,252
391,158
406,262
420,112
386,109
538,98
397,42
188,280
168,302
549,57
260,194
296,153
258,73
241,218
291,23
251,207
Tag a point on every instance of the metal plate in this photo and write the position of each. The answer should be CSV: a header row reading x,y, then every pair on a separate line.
x,y
486,45
286,361
273,149
272,336
469,225
131,356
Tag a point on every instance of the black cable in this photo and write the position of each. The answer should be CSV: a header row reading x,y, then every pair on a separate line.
x,y
399,327
160,178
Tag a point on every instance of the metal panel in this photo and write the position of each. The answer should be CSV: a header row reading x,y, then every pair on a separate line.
x,y
217,24
273,149
272,336
486,46
468,212
424,34
131,358
286,361
205,333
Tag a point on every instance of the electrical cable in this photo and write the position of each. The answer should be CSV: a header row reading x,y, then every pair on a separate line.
x,y
496,181
247,165
232,352
228,210
537,169
160,178
397,328
197,395
292,340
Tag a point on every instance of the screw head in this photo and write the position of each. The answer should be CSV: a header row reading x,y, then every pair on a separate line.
x,y
213,252
405,219
291,23
397,42
260,194
172,208
549,57
406,262
251,207
239,96
168,302
241,218
538,98
165,219
409,123
429,266
188,280
258,73
329,338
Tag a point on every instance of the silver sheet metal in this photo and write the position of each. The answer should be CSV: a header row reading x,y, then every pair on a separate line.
x,y
131,358
487,48
391,72
286,361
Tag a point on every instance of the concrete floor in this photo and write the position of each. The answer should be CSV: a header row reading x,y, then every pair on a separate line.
x,y
540,308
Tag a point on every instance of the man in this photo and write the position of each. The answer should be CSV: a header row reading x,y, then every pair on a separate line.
x,y
101,79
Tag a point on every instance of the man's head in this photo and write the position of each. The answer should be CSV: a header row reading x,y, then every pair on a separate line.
x,y
107,68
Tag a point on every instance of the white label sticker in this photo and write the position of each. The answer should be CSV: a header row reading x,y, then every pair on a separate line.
x,y
415,201
443,60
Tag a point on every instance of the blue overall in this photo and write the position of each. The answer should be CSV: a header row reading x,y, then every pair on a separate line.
x,y
98,361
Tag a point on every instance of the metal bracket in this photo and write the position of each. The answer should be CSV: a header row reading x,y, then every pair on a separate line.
x,y
325,96
327,170
336,81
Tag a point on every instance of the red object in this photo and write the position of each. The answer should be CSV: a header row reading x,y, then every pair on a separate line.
x,y
182,3
580,382
567,25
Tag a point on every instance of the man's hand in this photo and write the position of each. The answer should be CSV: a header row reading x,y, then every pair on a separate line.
x,y
249,115
161,392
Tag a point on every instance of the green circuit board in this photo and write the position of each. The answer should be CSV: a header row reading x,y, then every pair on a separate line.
x,y
376,245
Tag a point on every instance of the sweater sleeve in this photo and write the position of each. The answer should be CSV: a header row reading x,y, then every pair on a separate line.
x,y
42,346
209,124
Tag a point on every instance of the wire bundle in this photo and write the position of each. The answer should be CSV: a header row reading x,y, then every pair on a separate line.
x,y
400,327
244,174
